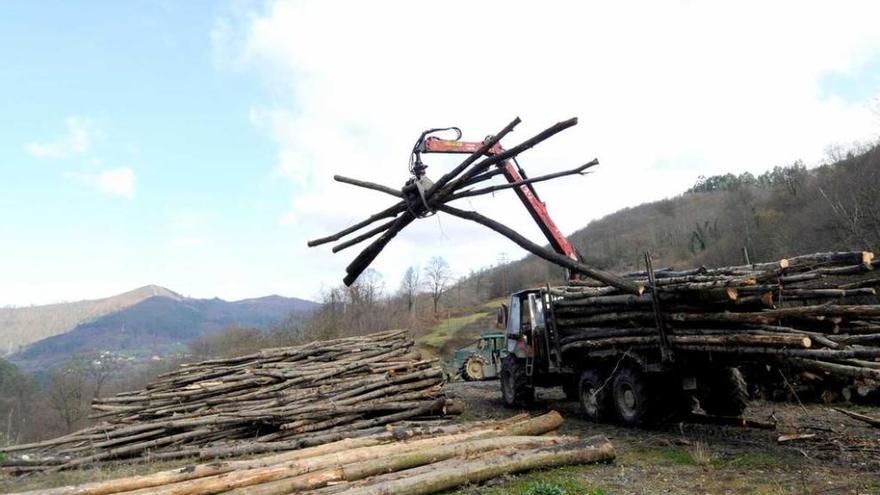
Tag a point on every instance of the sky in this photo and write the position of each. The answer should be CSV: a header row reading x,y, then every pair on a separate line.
x,y
192,144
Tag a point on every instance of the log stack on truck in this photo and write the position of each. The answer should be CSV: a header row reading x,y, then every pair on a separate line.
x,y
639,358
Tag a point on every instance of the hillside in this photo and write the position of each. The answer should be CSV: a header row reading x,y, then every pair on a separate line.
x,y
158,324
25,325
785,211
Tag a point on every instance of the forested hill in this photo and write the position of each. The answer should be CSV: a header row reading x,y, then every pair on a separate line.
x,y
785,211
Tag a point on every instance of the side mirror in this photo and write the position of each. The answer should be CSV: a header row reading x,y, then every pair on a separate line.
x,y
501,317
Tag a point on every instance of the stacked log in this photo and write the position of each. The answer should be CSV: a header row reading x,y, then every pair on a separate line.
x,y
275,399
418,463
816,312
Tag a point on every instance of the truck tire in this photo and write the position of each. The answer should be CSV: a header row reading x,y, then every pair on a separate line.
x,y
516,391
593,396
571,390
726,393
630,393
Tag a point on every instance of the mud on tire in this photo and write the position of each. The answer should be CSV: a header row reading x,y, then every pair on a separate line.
x,y
516,391
593,395
726,393
632,398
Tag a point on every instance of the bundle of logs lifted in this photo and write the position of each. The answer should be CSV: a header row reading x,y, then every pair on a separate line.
x,y
401,460
816,312
276,399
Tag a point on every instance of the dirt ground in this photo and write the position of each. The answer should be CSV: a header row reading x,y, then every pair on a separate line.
x,y
682,458
691,458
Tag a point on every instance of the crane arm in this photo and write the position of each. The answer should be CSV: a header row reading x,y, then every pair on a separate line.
x,y
526,192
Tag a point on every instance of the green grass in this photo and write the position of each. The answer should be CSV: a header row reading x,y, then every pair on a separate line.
x,y
665,456
448,328
559,481
494,304
753,460
682,456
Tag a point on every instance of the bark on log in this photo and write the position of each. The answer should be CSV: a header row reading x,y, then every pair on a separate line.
x,y
491,465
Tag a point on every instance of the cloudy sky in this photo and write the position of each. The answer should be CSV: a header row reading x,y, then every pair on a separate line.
x,y
192,144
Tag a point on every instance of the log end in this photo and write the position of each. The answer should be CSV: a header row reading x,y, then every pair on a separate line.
x,y
732,293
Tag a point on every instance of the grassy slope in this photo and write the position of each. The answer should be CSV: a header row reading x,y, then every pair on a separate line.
x,y
454,332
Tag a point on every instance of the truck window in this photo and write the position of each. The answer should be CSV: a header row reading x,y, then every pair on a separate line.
x,y
537,310
514,317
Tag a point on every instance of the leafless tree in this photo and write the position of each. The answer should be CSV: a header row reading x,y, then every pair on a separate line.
x,y
437,277
409,288
67,392
100,369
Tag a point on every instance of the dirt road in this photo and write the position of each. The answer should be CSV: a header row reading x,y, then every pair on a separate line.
x,y
842,458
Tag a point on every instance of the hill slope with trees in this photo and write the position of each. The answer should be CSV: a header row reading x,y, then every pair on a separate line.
x,y
722,219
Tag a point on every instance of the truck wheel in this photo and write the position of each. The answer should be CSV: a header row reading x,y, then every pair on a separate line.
x,y
515,388
593,396
631,396
472,369
726,393
571,390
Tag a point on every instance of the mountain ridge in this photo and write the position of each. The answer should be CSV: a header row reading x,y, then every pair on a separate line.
x,y
24,327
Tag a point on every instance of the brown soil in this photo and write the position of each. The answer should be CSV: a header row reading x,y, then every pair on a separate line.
x,y
692,458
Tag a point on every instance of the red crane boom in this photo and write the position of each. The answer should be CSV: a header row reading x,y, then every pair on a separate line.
x,y
526,192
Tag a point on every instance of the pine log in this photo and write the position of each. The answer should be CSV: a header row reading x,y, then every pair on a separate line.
x,y
449,474
840,258
837,369
731,340
396,462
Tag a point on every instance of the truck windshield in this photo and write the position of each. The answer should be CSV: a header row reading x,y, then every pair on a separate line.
x,y
514,317
536,305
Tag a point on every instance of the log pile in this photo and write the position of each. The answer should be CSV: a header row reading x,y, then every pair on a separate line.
x,y
398,461
816,312
276,399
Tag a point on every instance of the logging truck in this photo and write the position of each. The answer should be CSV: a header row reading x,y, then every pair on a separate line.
x,y
634,387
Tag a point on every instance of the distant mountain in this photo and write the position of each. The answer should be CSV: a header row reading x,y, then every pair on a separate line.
x,y
159,323
22,326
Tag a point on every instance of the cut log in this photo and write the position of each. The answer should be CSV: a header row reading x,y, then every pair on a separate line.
x,y
450,474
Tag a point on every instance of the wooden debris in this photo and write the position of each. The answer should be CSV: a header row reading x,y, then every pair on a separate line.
x,y
875,422
791,437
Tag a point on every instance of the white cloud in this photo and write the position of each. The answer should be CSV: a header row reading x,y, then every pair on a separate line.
x,y
187,242
115,182
665,91
76,141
